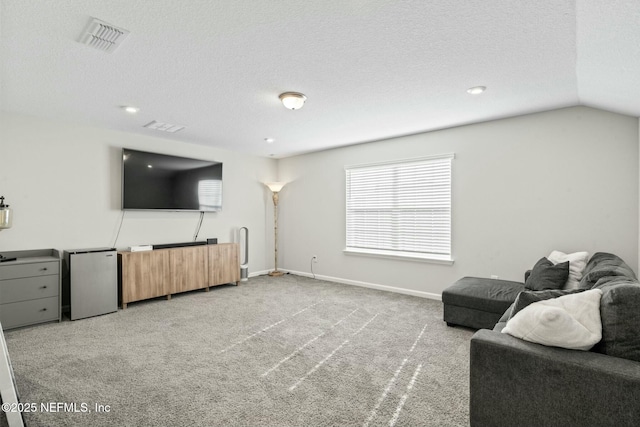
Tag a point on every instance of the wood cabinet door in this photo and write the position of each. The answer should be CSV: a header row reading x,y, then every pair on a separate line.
x,y
144,275
188,268
224,264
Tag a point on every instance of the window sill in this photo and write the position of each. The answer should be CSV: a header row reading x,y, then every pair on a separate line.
x,y
435,259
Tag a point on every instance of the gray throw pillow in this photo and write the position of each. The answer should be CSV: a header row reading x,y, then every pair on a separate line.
x,y
620,315
546,275
525,298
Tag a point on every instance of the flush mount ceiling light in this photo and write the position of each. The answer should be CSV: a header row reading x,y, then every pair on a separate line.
x,y
269,140
292,100
476,90
129,109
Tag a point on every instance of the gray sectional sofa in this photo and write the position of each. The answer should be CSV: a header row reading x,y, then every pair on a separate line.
x,y
518,383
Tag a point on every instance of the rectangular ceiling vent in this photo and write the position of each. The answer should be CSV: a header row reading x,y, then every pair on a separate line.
x,y
164,127
103,36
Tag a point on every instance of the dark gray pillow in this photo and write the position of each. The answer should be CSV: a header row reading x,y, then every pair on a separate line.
x,y
546,275
620,315
525,298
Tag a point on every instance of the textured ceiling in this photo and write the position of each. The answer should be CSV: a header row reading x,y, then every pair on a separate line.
x,y
371,69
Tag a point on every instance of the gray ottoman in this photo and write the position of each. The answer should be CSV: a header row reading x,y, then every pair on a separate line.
x,y
478,303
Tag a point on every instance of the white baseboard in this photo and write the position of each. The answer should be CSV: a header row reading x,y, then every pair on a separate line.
x,y
259,273
421,294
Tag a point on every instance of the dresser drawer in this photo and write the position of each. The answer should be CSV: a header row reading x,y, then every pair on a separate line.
x,y
29,270
29,312
15,290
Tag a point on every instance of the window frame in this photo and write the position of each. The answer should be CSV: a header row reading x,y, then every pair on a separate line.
x,y
399,254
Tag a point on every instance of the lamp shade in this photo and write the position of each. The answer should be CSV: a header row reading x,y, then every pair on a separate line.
x,y
275,186
292,100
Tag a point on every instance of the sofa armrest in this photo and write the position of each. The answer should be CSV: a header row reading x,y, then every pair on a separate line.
x,y
515,382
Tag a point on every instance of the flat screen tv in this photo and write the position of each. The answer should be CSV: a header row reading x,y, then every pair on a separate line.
x,y
153,181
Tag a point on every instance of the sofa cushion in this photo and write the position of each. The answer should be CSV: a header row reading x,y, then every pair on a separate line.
x,y
602,265
492,295
620,314
577,263
547,275
570,321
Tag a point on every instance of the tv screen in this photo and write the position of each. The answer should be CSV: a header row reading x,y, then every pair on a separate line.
x,y
162,182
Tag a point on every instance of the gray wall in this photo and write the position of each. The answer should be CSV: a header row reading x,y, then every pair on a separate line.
x,y
565,179
63,183
522,187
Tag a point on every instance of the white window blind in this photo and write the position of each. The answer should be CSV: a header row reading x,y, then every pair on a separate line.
x,y
401,208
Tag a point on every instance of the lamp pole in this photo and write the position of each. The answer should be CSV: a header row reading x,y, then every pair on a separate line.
x,y
275,188
275,272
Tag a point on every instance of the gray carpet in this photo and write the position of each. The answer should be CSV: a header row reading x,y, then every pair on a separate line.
x,y
289,351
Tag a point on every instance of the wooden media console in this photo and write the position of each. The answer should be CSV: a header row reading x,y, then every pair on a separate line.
x,y
163,272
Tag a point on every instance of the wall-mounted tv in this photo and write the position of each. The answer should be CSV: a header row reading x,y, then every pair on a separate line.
x,y
153,181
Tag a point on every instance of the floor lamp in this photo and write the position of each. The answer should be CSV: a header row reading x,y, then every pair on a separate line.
x,y
275,188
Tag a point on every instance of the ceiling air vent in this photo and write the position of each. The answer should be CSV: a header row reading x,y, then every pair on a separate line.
x,y
103,36
164,127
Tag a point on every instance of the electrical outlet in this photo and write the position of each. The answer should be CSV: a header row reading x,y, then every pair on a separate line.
x,y
314,258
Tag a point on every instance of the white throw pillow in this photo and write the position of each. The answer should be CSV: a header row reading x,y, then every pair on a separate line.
x,y
577,263
570,321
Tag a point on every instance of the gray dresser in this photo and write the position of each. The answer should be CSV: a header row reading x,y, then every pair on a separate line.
x,y
30,288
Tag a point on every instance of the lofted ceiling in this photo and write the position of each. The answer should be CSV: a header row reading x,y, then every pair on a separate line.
x,y
371,69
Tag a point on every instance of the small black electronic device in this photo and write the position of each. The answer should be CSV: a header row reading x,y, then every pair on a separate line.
x,y
5,259
213,241
178,245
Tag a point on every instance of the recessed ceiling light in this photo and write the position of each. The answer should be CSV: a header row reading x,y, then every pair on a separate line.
x,y
129,109
269,140
292,100
149,166
476,90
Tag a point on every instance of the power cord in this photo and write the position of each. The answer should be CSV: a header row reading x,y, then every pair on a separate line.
x,y
119,228
311,263
195,236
